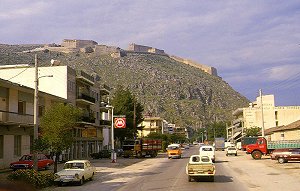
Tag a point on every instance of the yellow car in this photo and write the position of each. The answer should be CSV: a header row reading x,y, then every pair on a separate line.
x,y
174,151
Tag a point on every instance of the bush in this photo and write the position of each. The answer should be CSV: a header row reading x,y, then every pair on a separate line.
x,y
101,154
33,177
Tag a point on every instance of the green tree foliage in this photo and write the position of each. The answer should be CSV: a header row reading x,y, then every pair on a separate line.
x,y
125,104
216,129
253,132
57,127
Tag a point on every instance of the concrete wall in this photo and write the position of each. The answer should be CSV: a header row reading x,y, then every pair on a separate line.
x,y
287,135
56,85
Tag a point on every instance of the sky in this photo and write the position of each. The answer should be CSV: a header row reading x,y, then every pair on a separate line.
x,y
253,44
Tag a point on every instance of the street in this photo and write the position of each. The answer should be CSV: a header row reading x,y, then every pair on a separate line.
x,y
232,173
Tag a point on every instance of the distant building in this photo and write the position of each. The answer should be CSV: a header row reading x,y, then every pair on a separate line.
x,y
151,125
273,116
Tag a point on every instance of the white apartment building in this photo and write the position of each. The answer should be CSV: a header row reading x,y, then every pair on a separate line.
x,y
78,88
261,113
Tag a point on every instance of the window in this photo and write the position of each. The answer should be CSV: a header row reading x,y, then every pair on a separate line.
x,y
41,110
1,146
17,145
22,107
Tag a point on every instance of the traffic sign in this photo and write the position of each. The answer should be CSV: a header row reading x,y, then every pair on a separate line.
x,y
120,122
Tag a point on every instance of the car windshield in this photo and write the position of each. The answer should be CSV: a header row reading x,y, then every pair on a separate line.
x,y
207,149
173,148
26,157
74,166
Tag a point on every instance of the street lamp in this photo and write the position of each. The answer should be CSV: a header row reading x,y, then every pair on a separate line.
x,y
113,154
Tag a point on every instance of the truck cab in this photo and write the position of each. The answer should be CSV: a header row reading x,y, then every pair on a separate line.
x,y
257,149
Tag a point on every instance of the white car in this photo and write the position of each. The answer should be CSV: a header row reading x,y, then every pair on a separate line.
x,y
76,171
231,151
207,150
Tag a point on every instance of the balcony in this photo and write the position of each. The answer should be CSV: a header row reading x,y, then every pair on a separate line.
x,y
84,77
87,119
85,99
13,118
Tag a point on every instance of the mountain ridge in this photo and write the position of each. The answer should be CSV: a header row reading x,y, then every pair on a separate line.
x,y
177,92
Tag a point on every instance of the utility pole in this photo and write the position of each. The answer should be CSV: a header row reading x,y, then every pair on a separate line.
x,y
262,114
134,119
35,112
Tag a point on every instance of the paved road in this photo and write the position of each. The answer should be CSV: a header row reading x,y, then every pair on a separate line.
x,y
232,173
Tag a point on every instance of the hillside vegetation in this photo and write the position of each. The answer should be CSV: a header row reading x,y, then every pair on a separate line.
x,y
177,92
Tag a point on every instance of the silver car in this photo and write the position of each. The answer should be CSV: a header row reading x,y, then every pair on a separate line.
x,y
75,171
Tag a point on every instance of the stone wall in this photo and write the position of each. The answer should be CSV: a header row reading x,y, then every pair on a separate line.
x,y
208,69
140,48
68,43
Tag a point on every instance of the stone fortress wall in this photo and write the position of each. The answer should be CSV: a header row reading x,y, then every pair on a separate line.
x,y
208,69
89,46
141,48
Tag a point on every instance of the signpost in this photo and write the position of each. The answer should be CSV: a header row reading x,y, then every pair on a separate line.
x,y
120,122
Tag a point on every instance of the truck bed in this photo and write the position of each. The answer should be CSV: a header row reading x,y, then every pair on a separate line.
x,y
200,169
283,144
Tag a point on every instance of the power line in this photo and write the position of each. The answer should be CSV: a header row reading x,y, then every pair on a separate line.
x,y
18,73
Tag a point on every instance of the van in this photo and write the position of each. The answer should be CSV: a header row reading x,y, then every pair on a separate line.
x,y
174,151
207,150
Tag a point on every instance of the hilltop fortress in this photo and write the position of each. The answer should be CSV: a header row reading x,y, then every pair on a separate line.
x,y
89,46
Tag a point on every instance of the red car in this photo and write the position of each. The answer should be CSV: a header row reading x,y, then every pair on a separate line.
x,y
285,155
26,162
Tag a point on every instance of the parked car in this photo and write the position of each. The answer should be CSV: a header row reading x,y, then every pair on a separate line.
x,y
285,155
231,151
26,162
75,171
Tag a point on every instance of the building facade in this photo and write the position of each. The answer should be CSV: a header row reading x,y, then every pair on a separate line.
x,y
261,113
79,89
17,119
151,125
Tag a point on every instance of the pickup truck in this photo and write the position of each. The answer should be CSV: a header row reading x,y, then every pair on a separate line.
x,y
200,166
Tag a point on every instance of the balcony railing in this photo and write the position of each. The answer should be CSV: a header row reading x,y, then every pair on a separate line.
x,y
86,97
13,117
84,76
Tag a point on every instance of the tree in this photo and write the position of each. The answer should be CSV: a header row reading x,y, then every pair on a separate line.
x,y
57,127
253,132
126,104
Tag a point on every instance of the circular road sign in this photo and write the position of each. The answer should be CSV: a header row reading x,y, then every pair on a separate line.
x,y
120,122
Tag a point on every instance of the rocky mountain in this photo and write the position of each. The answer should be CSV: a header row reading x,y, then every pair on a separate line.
x,y
177,92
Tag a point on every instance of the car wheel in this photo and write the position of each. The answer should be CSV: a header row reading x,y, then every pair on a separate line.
x,y
212,178
47,167
92,177
235,154
81,181
281,160
189,178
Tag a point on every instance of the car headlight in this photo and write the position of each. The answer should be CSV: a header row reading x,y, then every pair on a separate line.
x,y
56,176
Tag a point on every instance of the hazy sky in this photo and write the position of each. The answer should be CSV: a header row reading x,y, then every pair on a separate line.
x,y
253,44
